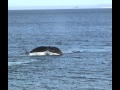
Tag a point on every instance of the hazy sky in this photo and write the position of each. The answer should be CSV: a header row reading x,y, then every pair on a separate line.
x,y
12,3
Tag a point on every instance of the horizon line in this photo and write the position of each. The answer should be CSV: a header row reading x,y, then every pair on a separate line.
x,y
60,7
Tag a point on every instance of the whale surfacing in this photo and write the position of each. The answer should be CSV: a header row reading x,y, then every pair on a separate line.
x,y
45,50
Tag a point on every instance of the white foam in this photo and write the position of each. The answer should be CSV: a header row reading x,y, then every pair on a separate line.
x,y
68,51
42,53
20,62
15,63
105,49
37,54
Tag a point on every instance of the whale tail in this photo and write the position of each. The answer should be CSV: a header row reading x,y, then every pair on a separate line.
x,y
44,50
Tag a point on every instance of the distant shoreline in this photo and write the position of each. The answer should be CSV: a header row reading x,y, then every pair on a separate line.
x,y
97,6
61,9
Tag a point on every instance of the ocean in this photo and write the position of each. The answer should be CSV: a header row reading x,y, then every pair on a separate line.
x,y
83,35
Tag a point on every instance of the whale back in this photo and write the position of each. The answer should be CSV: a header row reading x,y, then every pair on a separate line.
x,y
45,50
55,50
39,49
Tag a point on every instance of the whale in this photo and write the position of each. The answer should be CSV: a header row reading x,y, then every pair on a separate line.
x,y
45,50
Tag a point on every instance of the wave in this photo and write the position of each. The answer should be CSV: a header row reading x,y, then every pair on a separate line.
x,y
70,51
14,63
107,49
19,62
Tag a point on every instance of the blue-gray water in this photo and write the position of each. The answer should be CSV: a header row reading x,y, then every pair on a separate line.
x,y
85,38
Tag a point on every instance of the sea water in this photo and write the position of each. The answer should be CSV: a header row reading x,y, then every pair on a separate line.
x,y
85,38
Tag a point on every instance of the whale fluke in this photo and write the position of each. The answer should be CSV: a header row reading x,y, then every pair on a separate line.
x,y
45,50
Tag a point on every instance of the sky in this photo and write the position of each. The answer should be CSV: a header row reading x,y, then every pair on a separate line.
x,y
12,4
